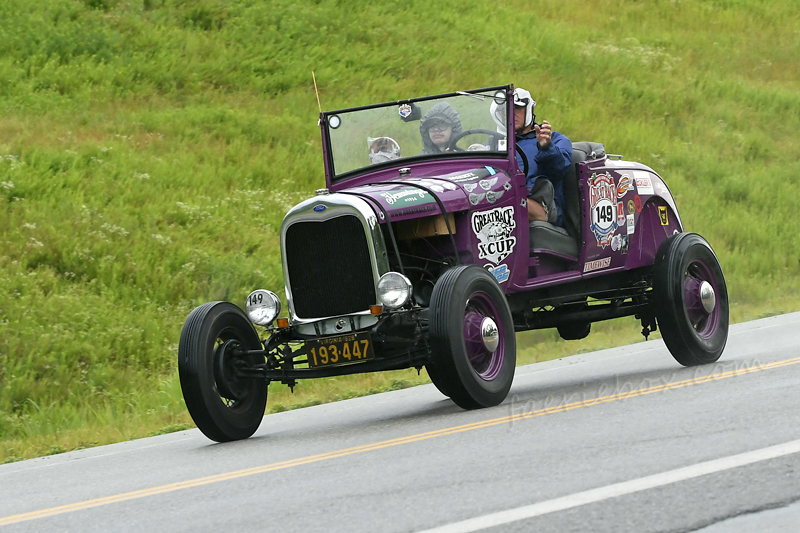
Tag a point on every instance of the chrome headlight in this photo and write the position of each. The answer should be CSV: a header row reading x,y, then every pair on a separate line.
x,y
262,307
394,290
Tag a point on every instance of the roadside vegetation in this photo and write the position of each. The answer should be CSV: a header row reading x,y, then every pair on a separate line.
x,y
150,148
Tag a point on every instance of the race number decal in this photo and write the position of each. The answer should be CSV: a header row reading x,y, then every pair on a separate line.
x,y
494,230
603,201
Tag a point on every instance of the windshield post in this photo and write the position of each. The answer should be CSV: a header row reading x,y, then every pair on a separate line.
x,y
512,129
325,151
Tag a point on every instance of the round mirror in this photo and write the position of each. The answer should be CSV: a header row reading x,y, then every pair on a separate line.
x,y
334,121
500,98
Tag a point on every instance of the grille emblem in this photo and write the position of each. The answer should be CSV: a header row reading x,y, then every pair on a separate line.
x,y
319,208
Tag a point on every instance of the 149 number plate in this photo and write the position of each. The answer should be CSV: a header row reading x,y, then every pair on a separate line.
x,y
339,350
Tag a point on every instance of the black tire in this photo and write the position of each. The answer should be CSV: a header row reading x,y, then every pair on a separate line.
x,y
472,375
224,407
437,378
693,333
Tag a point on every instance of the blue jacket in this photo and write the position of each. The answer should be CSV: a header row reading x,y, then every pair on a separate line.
x,y
552,164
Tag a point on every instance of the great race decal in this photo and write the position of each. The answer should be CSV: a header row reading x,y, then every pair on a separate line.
x,y
494,229
603,201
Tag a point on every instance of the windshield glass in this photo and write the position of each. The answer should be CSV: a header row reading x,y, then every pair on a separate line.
x,y
439,126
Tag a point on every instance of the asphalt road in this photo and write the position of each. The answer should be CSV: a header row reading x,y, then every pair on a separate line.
x,y
619,440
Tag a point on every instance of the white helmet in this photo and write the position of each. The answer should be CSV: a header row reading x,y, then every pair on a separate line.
x,y
523,98
382,149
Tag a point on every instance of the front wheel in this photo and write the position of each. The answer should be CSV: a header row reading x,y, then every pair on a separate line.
x,y
472,338
223,405
691,299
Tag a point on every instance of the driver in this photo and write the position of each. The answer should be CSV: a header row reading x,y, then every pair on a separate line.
x,y
549,156
439,125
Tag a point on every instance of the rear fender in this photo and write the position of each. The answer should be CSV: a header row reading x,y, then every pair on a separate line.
x,y
628,212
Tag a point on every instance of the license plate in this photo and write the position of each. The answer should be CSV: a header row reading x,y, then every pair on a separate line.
x,y
339,350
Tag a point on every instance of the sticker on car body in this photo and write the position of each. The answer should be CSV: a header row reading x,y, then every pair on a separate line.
x,y
597,264
644,184
474,198
494,229
603,202
625,185
619,243
487,184
500,272
410,195
469,176
493,196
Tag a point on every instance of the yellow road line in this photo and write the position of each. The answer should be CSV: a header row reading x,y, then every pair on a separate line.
x,y
387,443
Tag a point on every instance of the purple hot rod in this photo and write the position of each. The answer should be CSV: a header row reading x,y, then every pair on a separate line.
x,y
419,255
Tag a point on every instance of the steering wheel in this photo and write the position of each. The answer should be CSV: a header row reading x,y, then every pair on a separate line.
x,y
492,139
454,140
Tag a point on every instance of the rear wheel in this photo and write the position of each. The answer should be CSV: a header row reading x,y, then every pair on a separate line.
x,y
472,337
691,299
224,406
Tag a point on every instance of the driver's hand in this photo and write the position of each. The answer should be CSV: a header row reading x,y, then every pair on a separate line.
x,y
544,134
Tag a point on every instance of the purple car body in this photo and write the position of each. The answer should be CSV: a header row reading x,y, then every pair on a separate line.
x,y
422,256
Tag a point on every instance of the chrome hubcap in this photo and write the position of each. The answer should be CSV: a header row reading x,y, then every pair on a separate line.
x,y
707,297
490,334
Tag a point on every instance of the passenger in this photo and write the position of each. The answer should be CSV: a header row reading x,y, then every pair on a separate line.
x,y
382,149
439,125
549,156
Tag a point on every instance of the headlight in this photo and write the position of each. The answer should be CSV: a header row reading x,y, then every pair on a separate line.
x,y
262,307
394,290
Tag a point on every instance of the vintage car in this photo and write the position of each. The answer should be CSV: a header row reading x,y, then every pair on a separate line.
x,y
415,257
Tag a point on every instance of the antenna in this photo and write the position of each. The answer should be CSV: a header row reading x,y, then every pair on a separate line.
x,y
316,91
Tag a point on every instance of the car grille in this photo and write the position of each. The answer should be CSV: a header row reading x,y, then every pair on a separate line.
x,y
329,266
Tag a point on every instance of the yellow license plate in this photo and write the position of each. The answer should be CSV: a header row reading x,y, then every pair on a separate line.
x,y
339,350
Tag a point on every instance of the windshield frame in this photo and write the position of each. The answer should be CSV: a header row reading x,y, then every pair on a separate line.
x,y
330,172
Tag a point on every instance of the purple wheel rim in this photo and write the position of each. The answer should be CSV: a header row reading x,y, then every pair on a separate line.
x,y
704,323
485,363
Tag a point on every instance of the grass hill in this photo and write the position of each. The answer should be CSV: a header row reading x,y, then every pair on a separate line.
x,y
149,149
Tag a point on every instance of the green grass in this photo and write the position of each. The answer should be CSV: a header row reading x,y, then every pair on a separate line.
x,y
149,150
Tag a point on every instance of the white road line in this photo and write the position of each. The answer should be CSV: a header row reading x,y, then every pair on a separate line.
x,y
618,489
